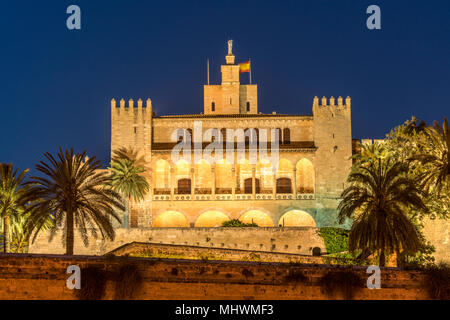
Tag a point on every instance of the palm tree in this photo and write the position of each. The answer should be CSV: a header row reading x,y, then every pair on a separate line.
x,y
13,199
370,153
434,156
127,179
20,234
128,154
379,195
74,193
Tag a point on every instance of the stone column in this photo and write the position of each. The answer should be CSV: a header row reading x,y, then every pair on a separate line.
x,y
213,173
151,182
253,182
172,182
192,182
295,183
233,177
274,185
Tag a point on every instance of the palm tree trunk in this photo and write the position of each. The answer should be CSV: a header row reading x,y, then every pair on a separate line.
x,y
69,233
133,218
6,243
382,258
399,258
126,214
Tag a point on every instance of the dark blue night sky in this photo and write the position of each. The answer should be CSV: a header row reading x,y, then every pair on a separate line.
x,y
56,85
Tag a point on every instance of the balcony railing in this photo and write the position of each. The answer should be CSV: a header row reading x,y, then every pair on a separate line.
x,y
227,194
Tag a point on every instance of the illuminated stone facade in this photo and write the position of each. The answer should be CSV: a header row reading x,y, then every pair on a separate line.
x,y
314,161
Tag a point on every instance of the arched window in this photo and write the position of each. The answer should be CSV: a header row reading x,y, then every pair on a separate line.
x,y
248,106
180,135
190,135
161,177
224,178
223,132
214,134
305,176
203,177
184,186
284,185
247,137
286,136
248,186
280,135
213,106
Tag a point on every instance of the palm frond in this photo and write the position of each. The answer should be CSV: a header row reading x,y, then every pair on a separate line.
x,y
71,183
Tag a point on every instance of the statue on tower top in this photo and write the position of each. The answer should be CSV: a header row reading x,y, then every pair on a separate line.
x,y
230,47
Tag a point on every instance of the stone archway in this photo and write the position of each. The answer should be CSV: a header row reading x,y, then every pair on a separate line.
x,y
211,218
259,217
297,218
161,175
171,219
305,176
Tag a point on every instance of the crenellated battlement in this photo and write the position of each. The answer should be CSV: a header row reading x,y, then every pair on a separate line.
x,y
131,104
131,124
333,139
332,102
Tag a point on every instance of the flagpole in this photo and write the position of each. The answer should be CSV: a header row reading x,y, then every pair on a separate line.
x,y
250,67
208,70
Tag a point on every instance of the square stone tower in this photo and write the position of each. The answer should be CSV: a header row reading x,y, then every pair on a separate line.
x,y
230,97
333,139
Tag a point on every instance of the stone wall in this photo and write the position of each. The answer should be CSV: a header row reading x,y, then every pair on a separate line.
x,y
437,232
322,210
301,126
44,277
285,240
157,250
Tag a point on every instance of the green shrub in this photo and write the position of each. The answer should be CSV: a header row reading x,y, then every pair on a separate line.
x,y
205,256
252,257
336,239
237,223
345,259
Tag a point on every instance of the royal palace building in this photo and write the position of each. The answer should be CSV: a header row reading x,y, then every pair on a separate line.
x,y
301,186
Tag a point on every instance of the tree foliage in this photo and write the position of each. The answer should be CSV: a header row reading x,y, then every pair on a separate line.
x,y
13,199
434,158
73,191
127,179
237,223
336,239
426,150
378,199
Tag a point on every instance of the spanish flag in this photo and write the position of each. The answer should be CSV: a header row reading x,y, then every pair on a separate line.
x,y
244,67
